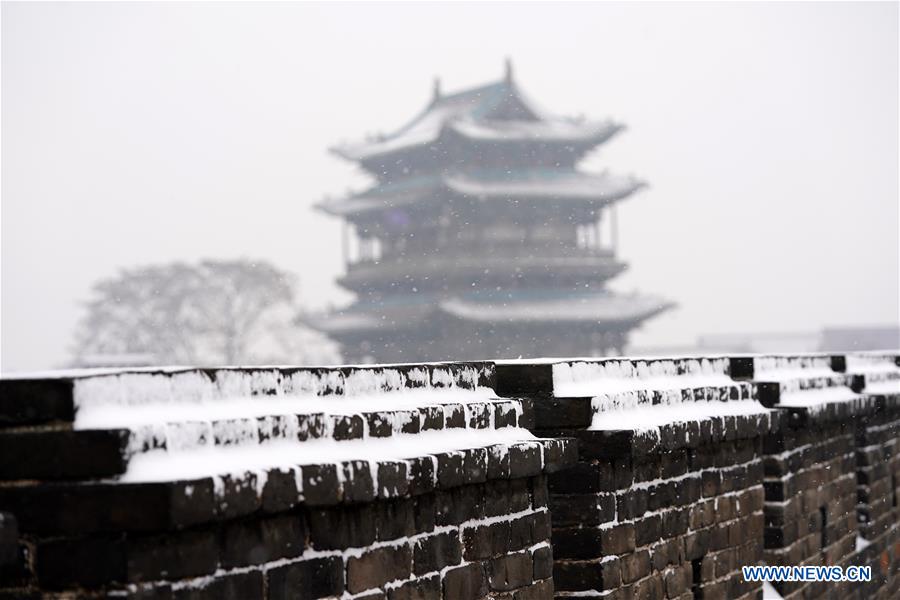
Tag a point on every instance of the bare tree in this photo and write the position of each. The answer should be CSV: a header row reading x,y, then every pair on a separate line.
x,y
214,312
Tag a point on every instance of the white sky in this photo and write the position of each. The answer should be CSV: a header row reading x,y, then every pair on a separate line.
x,y
140,133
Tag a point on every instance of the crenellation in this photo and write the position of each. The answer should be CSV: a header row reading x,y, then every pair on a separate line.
x,y
654,479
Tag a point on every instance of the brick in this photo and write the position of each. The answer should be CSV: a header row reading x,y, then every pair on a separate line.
x,y
475,465
454,416
670,552
504,414
258,541
479,415
583,509
696,544
465,583
431,418
421,475
321,485
9,539
347,427
607,444
450,471
173,556
540,590
632,503
425,588
306,580
356,482
592,477
577,576
410,421
651,588
28,402
519,495
377,567
485,541
310,426
434,552
392,479
458,505
542,558
675,522
338,528
677,580
498,462
515,380
647,530
59,454
394,519
93,562
510,572
585,543
559,454
233,586
539,494
90,563
280,491
635,566
563,413
67,509
673,464
237,496
525,460
378,424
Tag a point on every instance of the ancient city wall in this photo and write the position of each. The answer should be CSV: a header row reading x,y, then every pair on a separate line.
x,y
608,478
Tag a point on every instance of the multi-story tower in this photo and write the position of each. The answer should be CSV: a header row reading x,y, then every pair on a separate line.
x,y
481,239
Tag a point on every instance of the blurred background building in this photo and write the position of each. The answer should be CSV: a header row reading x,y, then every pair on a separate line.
x,y
481,238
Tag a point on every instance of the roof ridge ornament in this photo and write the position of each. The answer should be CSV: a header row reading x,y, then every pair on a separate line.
x,y
437,89
508,73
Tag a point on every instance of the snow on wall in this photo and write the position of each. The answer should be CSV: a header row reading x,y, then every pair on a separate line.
x,y
880,370
644,395
186,424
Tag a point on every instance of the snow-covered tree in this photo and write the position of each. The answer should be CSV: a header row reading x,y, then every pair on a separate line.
x,y
214,312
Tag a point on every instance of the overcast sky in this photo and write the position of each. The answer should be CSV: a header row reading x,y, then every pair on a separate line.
x,y
142,133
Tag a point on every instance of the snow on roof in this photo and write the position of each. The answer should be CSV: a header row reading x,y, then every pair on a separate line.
x,y
597,307
565,185
603,307
551,130
467,114
571,185
366,316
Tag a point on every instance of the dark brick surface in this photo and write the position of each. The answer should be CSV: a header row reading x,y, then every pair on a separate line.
x,y
57,454
27,402
465,583
308,579
258,541
377,567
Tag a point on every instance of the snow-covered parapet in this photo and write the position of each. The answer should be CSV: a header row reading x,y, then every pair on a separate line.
x,y
880,371
318,435
817,384
274,483
646,402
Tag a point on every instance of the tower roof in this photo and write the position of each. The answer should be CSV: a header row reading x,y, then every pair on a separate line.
x,y
570,186
496,112
602,308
